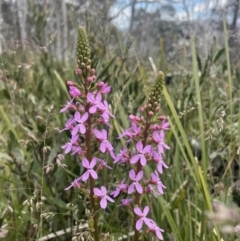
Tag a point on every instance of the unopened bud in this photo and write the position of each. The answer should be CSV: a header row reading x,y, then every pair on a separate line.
x,y
150,113
78,71
92,71
70,83
90,79
100,84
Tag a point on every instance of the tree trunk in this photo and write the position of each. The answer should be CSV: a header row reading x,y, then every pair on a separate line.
x,y
22,17
65,31
233,27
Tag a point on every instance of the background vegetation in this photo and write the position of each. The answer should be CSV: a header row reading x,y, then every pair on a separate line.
x,y
201,100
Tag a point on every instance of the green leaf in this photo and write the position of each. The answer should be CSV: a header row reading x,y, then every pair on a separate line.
x,y
218,55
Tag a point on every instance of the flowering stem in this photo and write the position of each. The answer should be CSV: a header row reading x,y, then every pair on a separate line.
x,y
139,168
91,180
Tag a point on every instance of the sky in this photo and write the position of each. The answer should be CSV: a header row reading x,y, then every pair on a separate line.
x,y
191,10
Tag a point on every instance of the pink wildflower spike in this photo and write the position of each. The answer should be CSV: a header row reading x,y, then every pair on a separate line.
x,y
141,154
75,183
156,181
69,105
80,127
68,146
142,217
68,125
74,91
126,202
102,194
154,228
89,167
159,139
122,187
102,137
95,101
135,184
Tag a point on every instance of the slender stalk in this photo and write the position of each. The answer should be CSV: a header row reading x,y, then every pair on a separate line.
x,y
91,180
139,168
89,157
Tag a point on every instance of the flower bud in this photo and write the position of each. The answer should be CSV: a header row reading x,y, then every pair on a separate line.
x,y
92,71
78,71
100,84
70,83
90,79
83,52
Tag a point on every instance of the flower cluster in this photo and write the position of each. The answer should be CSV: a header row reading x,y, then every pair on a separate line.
x,y
145,141
89,123
145,146
90,112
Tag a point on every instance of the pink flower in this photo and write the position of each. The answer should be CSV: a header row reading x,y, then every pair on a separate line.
x,y
163,126
154,228
74,91
135,118
105,113
102,137
80,120
135,184
141,154
156,181
159,139
68,146
136,130
75,183
105,88
68,125
95,101
150,189
157,158
89,167
121,157
122,187
102,164
69,105
142,217
131,132
77,150
102,194
126,202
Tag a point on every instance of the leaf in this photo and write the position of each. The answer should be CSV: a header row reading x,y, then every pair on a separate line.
x,y
61,81
105,70
6,94
218,55
5,156
199,63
